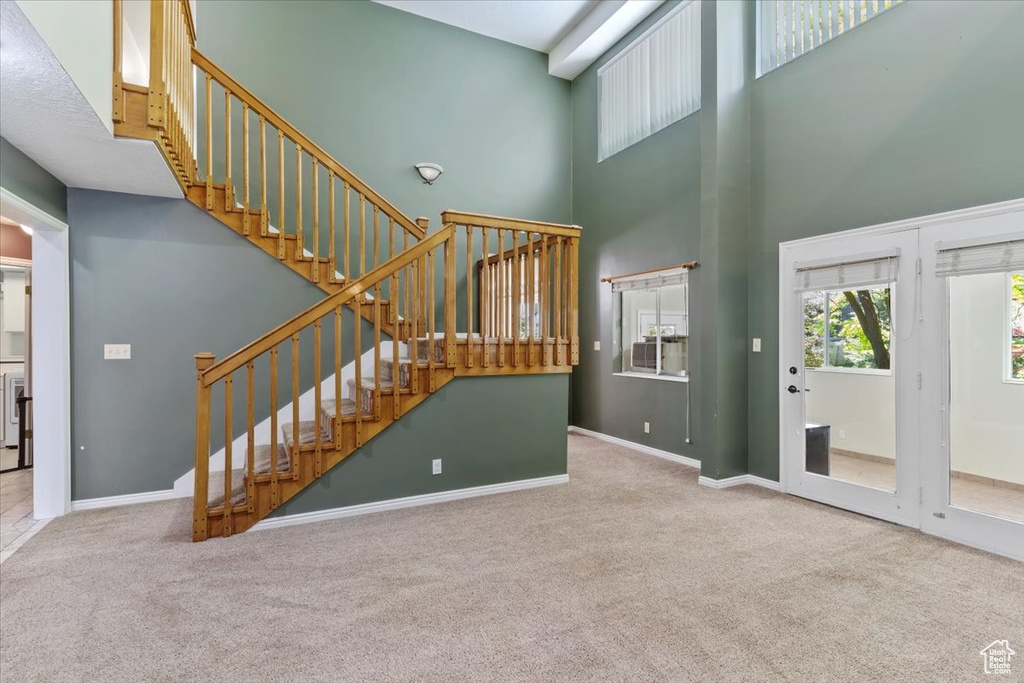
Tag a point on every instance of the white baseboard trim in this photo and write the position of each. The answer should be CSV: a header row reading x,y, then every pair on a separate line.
x,y
410,501
739,480
129,499
656,452
682,460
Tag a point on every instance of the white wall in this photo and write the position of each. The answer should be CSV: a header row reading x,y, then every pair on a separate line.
x,y
986,412
80,33
863,406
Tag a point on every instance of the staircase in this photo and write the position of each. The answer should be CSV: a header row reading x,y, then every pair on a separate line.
x,y
513,282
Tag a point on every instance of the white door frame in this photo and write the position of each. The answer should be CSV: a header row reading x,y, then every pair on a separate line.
x,y
51,355
959,216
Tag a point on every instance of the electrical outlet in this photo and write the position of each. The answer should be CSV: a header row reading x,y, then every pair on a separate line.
x,y
117,351
647,427
597,346
842,433
436,466
757,345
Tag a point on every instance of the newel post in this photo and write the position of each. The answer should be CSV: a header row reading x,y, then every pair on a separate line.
x,y
202,483
449,298
157,85
421,284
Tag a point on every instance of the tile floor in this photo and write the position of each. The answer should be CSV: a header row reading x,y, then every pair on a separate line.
x,y
964,493
16,522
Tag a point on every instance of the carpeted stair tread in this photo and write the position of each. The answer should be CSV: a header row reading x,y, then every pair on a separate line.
x,y
261,459
215,495
348,408
307,432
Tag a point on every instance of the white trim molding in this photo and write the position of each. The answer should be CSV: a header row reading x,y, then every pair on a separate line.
x,y
129,499
738,480
656,452
682,460
407,502
23,212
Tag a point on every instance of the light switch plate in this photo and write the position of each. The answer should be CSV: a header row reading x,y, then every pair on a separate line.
x,y
757,345
117,351
436,466
597,346
647,427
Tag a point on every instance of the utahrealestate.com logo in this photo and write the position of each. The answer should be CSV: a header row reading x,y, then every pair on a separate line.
x,y
997,657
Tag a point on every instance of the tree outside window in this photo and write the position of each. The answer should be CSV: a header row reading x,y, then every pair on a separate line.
x,y
848,329
1017,326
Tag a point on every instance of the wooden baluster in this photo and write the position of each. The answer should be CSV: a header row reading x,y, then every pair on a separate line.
x,y
202,462
332,263
209,142
118,92
362,235
348,260
515,297
275,498
295,405
393,297
157,87
405,286
414,320
574,308
396,405
316,221
558,300
280,194
317,403
469,296
245,169
485,302
229,201
250,428
299,255
264,215
545,299
228,429
376,347
449,299
502,299
357,349
337,378
391,238
431,334
531,287
376,236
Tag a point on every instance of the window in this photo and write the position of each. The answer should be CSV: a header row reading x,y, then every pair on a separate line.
x,y
1015,336
787,29
653,324
848,329
652,83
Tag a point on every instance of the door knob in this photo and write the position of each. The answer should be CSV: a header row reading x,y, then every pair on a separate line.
x,y
792,370
792,389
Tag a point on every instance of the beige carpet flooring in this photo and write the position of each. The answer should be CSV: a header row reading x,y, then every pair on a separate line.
x,y
632,572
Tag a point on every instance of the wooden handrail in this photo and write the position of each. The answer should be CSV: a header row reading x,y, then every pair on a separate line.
x,y
285,330
484,221
307,145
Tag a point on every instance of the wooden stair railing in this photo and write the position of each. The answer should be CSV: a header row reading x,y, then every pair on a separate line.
x,y
240,160
500,288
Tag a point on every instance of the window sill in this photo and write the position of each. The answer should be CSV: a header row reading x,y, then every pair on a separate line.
x,y
853,371
660,378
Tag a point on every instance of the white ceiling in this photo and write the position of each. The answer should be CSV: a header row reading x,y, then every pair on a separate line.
x,y
573,33
536,24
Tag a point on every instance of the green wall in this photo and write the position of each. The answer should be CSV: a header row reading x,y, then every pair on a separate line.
x,y
919,111
381,89
639,209
30,181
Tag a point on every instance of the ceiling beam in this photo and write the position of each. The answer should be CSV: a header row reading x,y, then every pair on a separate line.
x,y
596,33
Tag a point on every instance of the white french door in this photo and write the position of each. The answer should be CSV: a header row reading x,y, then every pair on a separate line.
x,y
902,374
973,408
838,401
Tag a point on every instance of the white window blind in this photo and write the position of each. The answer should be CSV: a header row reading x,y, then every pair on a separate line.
x,y
857,271
1003,254
652,83
789,28
662,278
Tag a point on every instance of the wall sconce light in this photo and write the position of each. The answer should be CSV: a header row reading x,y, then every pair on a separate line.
x,y
429,172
